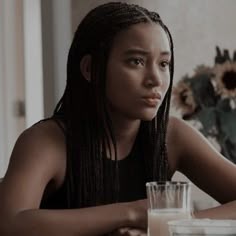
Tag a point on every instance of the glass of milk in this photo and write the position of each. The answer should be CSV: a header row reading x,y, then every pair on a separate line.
x,y
167,201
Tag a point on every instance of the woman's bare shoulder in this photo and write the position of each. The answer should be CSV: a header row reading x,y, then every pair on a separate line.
x,y
174,124
43,136
181,142
43,141
179,132
193,155
38,158
171,140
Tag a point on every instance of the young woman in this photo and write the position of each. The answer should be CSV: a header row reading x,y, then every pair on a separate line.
x,y
83,171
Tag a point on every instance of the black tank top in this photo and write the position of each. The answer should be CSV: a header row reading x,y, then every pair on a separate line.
x,y
132,179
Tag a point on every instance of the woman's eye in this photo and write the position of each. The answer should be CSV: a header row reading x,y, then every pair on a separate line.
x,y
137,61
165,64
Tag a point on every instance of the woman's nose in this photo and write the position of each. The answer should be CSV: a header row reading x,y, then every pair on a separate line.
x,y
153,77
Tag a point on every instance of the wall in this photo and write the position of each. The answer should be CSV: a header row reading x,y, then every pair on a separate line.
x,y
33,62
11,77
21,96
56,36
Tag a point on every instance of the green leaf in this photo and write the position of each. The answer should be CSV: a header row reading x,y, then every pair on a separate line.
x,y
203,90
207,116
224,105
229,150
228,125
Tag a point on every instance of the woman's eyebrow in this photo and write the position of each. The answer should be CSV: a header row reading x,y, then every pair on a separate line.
x,y
144,52
165,53
136,51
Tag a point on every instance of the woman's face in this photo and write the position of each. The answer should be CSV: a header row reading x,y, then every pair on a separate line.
x,y
138,71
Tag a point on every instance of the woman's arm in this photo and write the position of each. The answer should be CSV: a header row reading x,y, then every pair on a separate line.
x,y
87,221
37,159
191,154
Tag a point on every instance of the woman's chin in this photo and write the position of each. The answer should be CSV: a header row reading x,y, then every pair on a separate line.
x,y
148,116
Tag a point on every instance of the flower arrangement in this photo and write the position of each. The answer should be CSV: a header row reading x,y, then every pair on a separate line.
x,y
208,98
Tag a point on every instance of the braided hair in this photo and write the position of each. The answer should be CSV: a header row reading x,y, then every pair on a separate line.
x,y
83,107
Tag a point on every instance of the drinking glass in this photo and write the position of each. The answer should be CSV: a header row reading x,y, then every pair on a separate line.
x,y
167,201
199,227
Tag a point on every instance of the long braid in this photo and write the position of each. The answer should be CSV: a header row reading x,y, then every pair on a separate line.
x,y
89,179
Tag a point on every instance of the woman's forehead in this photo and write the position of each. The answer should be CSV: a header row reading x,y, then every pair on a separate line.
x,y
146,36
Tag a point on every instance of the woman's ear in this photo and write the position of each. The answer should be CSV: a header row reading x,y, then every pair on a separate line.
x,y
85,67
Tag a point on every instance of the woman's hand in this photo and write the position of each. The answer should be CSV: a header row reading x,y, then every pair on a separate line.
x,y
137,214
129,232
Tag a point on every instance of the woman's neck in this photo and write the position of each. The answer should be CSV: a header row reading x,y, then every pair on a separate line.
x,y
125,134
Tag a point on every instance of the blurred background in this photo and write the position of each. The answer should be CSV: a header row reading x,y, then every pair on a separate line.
x,y
35,36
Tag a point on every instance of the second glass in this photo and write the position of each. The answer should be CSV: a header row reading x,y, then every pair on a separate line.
x,y
167,201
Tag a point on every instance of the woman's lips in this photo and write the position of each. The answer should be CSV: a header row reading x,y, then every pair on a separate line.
x,y
151,101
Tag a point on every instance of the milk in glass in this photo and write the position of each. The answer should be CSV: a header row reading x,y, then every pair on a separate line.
x,y
158,218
